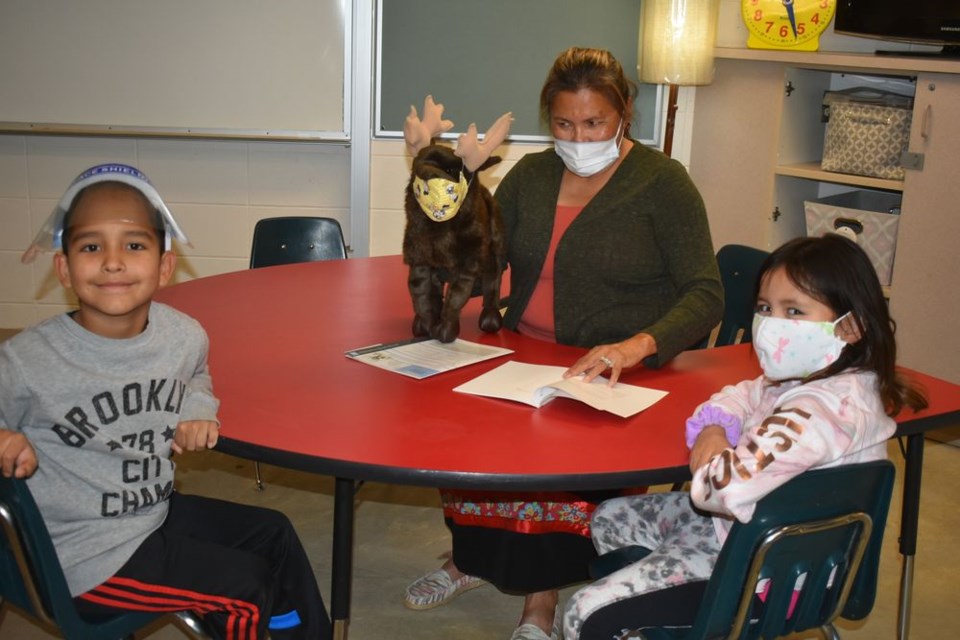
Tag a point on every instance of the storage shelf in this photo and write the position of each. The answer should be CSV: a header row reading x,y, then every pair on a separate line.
x,y
755,189
886,64
812,171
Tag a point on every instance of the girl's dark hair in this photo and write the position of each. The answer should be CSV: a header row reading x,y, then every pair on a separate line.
x,y
836,272
156,218
595,69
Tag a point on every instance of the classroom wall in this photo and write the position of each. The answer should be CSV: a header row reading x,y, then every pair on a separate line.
x,y
218,189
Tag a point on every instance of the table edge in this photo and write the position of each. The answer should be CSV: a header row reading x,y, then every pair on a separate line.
x,y
450,479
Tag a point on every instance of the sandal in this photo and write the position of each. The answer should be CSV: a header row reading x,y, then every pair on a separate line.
x,y
530,631
436,588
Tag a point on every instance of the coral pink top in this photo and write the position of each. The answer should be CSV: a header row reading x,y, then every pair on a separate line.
x,y
538,320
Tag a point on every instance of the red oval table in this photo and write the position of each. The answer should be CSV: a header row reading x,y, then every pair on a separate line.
x,y
290,397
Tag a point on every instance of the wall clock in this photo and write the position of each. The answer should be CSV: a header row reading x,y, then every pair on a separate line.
x,y
793,25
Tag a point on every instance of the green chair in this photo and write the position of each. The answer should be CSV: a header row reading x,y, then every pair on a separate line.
x,y
739,267
31,577
827,525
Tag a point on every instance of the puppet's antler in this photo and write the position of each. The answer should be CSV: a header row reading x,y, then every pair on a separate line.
x,y
474,152
418,133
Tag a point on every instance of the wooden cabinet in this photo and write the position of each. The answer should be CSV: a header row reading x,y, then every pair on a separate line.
x,y
925,298
757,141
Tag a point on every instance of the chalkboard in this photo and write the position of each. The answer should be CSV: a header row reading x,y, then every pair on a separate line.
x,y
274,68
481,59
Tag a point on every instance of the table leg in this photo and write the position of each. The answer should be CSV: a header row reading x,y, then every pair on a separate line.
x,y
342,564
909,523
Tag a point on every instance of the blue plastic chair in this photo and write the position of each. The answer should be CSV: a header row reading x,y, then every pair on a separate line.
x,y
31,577
739,267
827,524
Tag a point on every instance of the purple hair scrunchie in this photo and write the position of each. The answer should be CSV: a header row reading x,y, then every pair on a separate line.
x,y
710,415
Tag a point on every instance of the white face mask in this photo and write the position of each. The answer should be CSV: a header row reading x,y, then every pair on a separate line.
x,y
589,158
794,349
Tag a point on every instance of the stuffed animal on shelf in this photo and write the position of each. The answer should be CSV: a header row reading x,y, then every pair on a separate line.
x,y
454,237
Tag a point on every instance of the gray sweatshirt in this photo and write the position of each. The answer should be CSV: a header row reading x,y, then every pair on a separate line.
x,y
101,414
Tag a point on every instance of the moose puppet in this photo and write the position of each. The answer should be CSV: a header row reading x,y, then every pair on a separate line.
x,y
454,237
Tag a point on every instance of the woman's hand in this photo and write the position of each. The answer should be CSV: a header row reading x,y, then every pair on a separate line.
x,y
616,357
709,443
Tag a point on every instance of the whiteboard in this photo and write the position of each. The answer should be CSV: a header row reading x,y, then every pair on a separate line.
x,y
247,68
483,58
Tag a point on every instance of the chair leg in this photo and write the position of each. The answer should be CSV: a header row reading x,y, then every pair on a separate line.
x,y
256,470
191,625
830,632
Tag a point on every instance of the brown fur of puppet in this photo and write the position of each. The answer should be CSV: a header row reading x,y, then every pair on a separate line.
x,y
463,251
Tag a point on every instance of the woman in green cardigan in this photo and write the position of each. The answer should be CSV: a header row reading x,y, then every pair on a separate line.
x,y
609,249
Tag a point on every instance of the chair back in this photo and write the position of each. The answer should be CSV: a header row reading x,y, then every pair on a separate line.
x,y
826,525
288,240
32,579
739,267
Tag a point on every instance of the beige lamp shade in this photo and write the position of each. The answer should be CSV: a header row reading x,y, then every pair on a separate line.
x,y
677,40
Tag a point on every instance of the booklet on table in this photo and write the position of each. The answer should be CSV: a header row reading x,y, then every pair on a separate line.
x,y
537,384
422,357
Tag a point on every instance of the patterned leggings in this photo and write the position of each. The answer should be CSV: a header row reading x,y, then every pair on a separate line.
x,y
683,543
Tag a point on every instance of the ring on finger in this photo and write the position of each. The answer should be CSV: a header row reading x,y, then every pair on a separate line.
x,y
606,361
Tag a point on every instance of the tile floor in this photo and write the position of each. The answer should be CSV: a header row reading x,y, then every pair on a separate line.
x,y
400,533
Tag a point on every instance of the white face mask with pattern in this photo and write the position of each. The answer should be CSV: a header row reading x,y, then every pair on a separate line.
x,y
794,349
589,158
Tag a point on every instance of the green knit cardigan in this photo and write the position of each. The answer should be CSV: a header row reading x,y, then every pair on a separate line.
x,y
638,258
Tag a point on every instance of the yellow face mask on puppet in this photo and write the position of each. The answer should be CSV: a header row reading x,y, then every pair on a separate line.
x,y
439,198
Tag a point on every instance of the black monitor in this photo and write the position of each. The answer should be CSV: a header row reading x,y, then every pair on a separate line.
x,y
935,22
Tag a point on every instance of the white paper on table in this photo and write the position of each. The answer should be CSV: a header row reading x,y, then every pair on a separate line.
x,y
421,357
537,384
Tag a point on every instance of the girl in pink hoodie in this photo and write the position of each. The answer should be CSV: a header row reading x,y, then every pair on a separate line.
x,y
825,342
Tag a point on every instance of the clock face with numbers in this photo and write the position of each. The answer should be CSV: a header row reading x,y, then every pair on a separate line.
x,y
793,25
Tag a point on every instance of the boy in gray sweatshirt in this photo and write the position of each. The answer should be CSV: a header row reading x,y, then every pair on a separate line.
x,y
94,402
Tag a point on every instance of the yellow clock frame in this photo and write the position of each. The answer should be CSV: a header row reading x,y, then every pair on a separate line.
x,y
793,25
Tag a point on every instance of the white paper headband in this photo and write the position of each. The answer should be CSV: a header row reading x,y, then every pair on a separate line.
x,y
50,236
